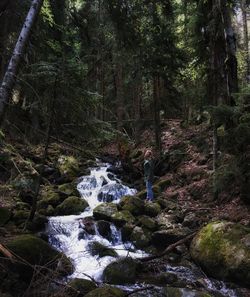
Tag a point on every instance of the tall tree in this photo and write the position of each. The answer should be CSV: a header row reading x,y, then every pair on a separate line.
x,y
10,75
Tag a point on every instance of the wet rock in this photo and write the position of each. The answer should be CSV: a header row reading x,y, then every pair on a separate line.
x,y
221,251
111,192
5,215
72,205
106,292
36,252
120,272
105,211
163,238
160,279
133,204
179,292
69,189
95,248
148,222
104,229
141,238
88,225
120,218
152,209
80,287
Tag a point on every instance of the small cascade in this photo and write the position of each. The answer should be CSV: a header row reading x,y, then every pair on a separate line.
x,y
66,233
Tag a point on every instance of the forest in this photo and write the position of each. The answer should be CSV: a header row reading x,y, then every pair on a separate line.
x,y
101,102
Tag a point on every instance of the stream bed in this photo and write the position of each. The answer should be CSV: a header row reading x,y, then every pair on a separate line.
x,y
66,234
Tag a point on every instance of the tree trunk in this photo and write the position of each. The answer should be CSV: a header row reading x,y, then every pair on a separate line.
x,y
246,39
11,73
119,95
157,122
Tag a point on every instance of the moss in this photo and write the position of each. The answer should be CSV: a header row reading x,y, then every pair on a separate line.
x,y
68,189
49,196
152,209
132,204
120,272
141,238
72,205
36,252
106,292
5,215
120,218
163,184
69,166
81,286
105,211
142,194
148,222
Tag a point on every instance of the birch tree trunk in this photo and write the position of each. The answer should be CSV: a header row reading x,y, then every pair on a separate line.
x,y
11,73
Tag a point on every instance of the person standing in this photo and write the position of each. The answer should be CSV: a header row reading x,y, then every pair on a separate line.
x,y
149,174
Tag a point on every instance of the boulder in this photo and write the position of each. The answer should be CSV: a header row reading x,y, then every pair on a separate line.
x,y
141,238
72,205
120,272
106,292
68,166
163,184
5,215
88,225
148,222
111,192
35,251
133,204
105,211
80,287
104,229
166,221
69,189
163,238
126,232
48,196
152,209
223,250
123,217
97,249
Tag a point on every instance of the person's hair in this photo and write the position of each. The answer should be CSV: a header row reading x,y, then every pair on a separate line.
x,y
148,153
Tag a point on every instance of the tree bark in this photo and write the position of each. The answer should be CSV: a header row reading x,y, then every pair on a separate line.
x,y
157,122
119,95
11,73
246,39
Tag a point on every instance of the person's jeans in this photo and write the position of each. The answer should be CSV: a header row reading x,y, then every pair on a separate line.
x,y
150,194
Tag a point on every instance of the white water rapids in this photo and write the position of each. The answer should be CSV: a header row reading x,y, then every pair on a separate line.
x,y
64,230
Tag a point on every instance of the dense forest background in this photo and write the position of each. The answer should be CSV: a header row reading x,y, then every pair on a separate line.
x,y
93,68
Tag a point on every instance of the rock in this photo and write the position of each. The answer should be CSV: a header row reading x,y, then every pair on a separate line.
x,y
142,194
163,184
20,216
36,252
106,292
38,223
5,215
152,209
148,222
167,204
105,211
133,204
103,227
111,192
72,205
179,292
161,279
97,249
193,220
126,232
69,189
141,238
87,225
80,287
166,221
120,218
163,238
221,251
49,196
68,166
120,272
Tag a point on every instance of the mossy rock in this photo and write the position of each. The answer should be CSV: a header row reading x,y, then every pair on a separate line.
x,y
106,292
20,216
5,215
49,196
69,189
68,166
120,272
126,232
132,204
80,287
105,211
38,223
152,209
72,205
141,238
157,191
35,251
148,222
222,249
163,184
160,279
123,217
95,248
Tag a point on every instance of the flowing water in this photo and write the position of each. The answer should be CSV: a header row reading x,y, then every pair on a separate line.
x,y
66,234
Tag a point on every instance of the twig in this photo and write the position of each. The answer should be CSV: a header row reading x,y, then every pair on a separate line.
x,y
168,249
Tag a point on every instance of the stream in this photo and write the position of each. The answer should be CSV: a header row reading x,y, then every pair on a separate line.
x,y
66,234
